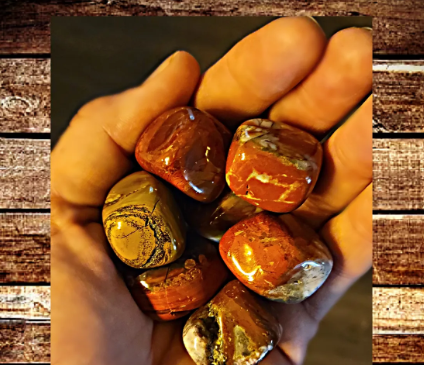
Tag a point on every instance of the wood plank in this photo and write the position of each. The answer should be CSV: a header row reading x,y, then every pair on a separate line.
x,y
398,349
25,173
24,248
398,174
25,95
398,255
24,341
25,98
24,302
398,24
398,96
398,310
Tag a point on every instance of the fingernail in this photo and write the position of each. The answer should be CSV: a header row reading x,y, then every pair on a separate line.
x,y
313,19
164,65
367,28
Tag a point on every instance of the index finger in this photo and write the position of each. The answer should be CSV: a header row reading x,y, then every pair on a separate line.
x,y
94,152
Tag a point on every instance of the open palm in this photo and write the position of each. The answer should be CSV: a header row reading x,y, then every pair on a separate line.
x,y
286,69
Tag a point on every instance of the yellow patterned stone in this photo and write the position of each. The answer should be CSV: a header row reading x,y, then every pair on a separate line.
x,y
143,223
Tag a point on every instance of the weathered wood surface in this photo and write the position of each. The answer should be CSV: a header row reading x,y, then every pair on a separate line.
x,y
398,254
25,173
398,174
25,24
398,310
24,248
398,348
398,88
25,95
24,302
24,341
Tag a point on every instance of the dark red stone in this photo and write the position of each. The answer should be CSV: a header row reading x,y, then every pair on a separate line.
x,y
187,148
273,165
280,258
214,219
172,291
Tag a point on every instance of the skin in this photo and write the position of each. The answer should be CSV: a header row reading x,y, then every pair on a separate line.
x,y
95,320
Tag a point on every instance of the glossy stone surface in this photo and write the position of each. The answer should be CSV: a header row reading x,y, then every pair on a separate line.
x,y
273,165
142,222
280,258
214,219
187,148
172,291
234,328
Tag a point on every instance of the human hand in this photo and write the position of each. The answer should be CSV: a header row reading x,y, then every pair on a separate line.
x,y
286,69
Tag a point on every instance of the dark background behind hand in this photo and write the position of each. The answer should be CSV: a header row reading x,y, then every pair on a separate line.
x,y
99,56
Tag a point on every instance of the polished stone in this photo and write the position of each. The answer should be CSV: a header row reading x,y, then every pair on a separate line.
x,y
273,165
187,148
142,222
280,258
172,291
234,328
214,219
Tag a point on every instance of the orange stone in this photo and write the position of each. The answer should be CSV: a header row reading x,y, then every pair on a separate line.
x,y
273,165
172,291
187,148
280,258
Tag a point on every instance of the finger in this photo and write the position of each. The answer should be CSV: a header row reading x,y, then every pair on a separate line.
x,y
260,69
347,168
94,151
340,81
349,236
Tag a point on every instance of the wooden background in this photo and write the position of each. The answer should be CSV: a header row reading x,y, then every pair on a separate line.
x,y
398,278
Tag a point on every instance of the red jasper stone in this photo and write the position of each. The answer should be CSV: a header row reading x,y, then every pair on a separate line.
x,y
273,165
214,219
280,258
172,291
187,148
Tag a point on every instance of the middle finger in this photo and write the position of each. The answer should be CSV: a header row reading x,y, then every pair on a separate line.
x,y
260,69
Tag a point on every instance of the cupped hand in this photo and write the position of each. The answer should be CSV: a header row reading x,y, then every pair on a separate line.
x,y
287,70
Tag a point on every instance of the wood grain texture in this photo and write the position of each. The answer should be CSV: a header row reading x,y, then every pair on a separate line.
x,y
25,95
24,341
24,302
25,173
398,174
398,254
398,88
25,98
398,310
398,349
398,24
24,248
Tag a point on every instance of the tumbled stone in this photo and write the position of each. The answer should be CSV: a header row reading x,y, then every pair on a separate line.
x,y
187,148
280,258
273,165
170,292
214,219
234,328
142,222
